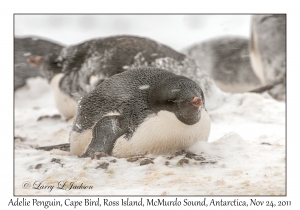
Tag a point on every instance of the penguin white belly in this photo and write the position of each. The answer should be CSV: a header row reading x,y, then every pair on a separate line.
x,y
64,103
162,133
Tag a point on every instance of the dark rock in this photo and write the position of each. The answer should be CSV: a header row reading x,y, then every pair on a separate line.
x,y
55,160
146,162
103,165
208,162
190,155
182,162
194,156
38,166
21,138
178,153
132,159
265,143
199,158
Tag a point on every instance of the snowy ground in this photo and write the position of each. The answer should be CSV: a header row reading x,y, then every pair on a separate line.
x,y
245,154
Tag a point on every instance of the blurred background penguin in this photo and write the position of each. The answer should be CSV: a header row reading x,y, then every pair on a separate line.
x,y
268,51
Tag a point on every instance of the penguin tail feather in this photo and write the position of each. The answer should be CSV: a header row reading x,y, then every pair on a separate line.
x,y
63,147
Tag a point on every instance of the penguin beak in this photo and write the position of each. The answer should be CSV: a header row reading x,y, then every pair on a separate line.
x,y
196,102
35,61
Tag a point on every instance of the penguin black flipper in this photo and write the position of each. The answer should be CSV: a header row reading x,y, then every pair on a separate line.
x,y
105,133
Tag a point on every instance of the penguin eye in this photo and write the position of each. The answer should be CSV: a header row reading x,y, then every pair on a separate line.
x,y
174,101
170,100
196,102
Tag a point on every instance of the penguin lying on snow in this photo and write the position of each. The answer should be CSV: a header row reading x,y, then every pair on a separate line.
x,y
140,111
226,60
24,48
77,70
268,51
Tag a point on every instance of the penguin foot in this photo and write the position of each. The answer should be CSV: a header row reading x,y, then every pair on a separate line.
x,y
97,155
63,147
268,86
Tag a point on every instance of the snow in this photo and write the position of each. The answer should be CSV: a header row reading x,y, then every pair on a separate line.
x,y
247,142
245,154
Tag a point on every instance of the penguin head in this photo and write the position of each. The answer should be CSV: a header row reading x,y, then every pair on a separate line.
x,y
48,65
178,95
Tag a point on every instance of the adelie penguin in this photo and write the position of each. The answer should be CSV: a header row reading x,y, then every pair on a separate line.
x,y
140,111
78,69
268,51
24,47
226,60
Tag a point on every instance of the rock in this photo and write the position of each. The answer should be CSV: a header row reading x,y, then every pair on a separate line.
x,y
103,165
19,138
183,161
265,143
208,162
55,160
178,153
38,166
194,156
132,159
146,162
190,155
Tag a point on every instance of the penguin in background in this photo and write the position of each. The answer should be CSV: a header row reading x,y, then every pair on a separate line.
x,y
24,48
268,51
140,111
78,69
226,59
